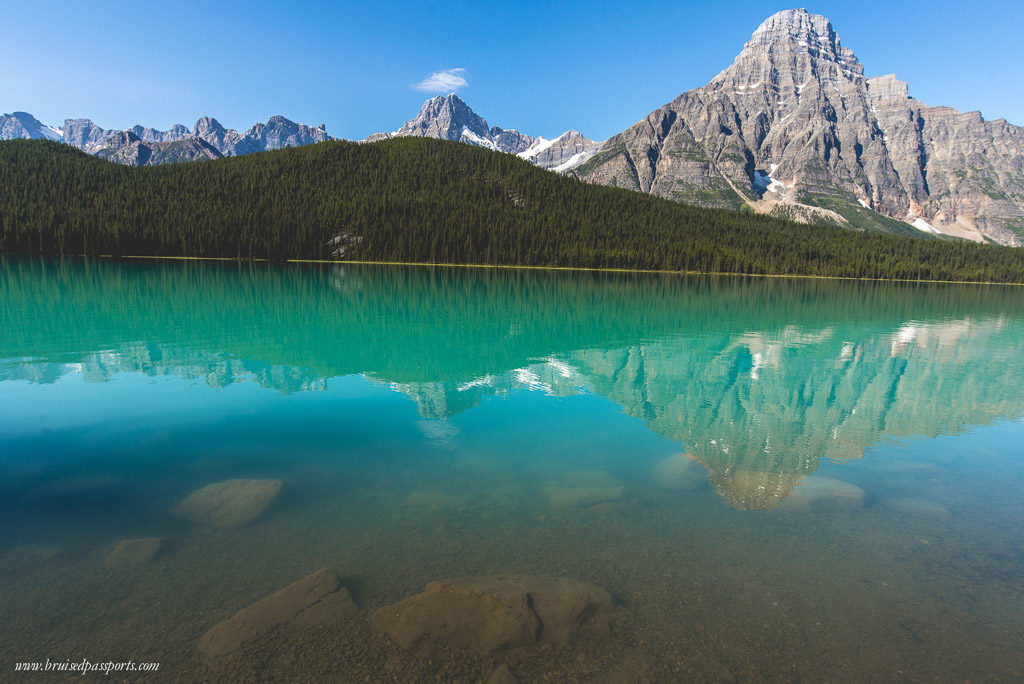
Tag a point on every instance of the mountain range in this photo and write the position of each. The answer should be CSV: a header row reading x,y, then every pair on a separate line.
x,y
140,146
792,128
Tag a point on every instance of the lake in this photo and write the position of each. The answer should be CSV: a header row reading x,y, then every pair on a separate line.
x,y
783,479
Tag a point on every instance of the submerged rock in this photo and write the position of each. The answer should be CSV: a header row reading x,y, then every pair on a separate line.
x,y
818,493
316,600
486,614
753,490
679,473
502,675
576,497
231,503
131,553
919,507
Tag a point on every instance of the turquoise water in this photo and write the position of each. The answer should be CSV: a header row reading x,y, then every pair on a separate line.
x,y
655,435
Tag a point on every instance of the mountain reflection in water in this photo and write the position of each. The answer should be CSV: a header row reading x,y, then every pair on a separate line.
x,y
757,379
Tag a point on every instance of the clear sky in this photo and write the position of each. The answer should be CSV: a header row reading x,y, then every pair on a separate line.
x,y
597,66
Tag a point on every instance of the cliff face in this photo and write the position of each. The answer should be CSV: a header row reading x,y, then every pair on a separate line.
x,y
794,128
960,172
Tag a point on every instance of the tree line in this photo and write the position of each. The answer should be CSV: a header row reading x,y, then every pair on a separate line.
x,y
425,200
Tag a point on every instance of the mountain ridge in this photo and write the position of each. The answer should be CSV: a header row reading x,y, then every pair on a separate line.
x,y
150,143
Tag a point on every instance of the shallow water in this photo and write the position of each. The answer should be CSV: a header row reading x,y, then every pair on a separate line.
x,y
655,435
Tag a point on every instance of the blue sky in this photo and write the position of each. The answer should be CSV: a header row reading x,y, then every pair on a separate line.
x,y
595,66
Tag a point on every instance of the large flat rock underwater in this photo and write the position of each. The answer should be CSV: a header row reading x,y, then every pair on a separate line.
x,y
231,503
487,614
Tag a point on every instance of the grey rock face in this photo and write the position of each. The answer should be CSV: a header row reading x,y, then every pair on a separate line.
x,y
142,146
125,147
961,174
448,117
22,125
85,135
212,132
794,128
277,133
148,135
510,140
565,152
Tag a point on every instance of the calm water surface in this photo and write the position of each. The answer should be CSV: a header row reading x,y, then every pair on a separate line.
x,y
775,479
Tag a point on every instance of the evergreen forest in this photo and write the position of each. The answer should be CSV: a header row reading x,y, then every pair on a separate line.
x,y
428,201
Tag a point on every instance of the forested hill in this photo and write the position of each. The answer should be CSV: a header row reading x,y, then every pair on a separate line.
x,y
424,200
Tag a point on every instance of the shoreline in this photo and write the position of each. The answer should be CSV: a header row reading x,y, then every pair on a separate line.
x,y
591,269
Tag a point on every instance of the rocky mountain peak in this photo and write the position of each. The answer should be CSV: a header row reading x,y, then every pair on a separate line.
x,y
84,134
148,135
792,45
24,125
213,133
792,128
565,152
445,116
207,125
448,117
797,26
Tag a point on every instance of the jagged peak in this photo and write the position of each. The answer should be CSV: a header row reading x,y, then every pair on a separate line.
x,y
801,30
450,97
207,124
449,112
449,101
798,22
791,42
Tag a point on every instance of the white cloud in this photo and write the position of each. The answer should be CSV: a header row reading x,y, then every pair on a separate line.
x,y
447,81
